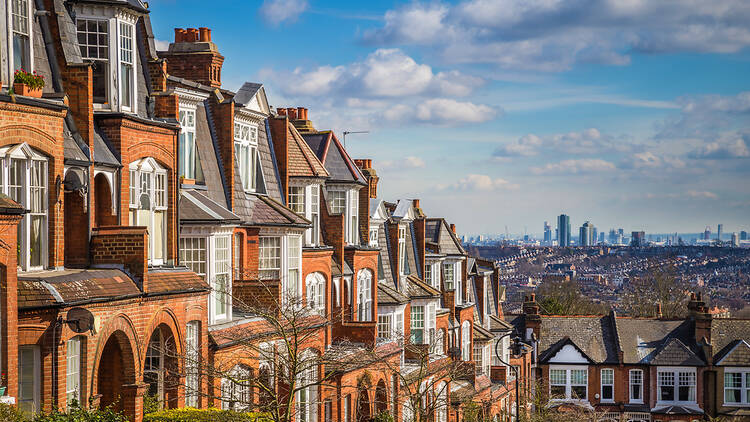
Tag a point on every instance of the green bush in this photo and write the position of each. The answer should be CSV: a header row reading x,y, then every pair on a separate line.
x,y
10,414
75,413
204,415
383,416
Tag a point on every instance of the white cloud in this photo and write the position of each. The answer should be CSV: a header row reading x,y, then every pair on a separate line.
x,y
689,195
409,162
447,111
276,12
582,166
480,182
736,148
555,35
587,141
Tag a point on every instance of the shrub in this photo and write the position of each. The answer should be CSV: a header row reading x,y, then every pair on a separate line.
x,y
204,415
75,413
383,416
33,80
10,413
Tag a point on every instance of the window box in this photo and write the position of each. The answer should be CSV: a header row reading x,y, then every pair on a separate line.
x,y
26,91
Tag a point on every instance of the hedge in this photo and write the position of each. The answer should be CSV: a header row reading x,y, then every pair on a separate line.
x,y
205,415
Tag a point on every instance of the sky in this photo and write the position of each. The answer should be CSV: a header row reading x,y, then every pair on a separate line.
x,y
507,113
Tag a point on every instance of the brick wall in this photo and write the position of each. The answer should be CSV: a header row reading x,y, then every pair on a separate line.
x,y
9,302
122,245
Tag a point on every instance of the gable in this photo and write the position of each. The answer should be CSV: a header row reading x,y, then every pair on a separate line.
x,y
676,353
568,354
737,355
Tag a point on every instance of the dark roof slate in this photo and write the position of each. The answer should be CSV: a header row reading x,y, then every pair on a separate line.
x,y
213,177
390,296
103,154
725,333
642,339
593,335
196,207
336,160
674,352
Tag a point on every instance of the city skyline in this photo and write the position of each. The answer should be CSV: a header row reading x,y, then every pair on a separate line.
x,y
594,120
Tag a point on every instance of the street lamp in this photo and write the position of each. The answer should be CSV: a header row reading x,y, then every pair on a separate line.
x,y
517,349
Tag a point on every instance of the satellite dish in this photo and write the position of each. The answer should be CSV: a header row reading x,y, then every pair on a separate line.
x,y
80,320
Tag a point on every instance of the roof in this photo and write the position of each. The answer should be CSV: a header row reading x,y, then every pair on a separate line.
x,y
726,334
9,206
338,164
207,146
674,352
103,154
417,288
390,296
246,93
72,150
441,238
497,324
131,4
642,340
52,288
482,334
267,211
302,160
592,335
175,280
196,207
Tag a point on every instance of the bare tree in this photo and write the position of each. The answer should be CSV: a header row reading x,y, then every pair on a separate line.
x,y
565,298
657,292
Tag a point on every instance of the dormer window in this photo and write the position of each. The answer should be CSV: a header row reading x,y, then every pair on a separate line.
x,y
20,12
93,40
189,163
246,151
127,60
346,201
148,205
401,250
305,201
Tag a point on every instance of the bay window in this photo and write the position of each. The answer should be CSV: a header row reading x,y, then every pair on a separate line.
x,y
314,231
307,394
93,41
246,153
210,257
193,252
29,379
568,383
281,259
235,389
297,199
21,12
364,295
192,357
294,262
417,325
636,385
73,370
24,178
221,284
608,385
270,258
466,341
676,385
354,217
401,250
305,201
384,326
148,205
346,202
373,237
737,387
337,200
449,275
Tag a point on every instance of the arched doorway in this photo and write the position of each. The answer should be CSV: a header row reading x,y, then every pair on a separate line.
x,y
103,215
381,398
76,225
160,370
116,371
363,405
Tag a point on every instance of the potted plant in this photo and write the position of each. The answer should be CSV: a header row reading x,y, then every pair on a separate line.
x,y
3,379
28,84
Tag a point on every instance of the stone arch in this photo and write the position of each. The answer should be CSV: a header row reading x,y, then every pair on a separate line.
x,y
381,397
116,374
161,365
165,316
363,405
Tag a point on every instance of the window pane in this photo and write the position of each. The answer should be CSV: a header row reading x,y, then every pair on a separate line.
x,y
578,392
557,376
607,392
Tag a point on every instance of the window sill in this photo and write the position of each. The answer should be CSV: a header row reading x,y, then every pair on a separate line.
x,y
635,402
736,405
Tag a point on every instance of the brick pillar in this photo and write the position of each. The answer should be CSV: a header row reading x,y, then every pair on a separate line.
x,y
9,299
113,246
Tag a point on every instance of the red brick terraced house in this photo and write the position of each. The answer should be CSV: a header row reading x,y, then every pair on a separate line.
x,y
96,296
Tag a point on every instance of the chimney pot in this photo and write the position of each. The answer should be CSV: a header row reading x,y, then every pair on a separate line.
x,y
416,203
281,111
369,163
178,34
453,228
533,297
292,113
301,113
305,109
205,34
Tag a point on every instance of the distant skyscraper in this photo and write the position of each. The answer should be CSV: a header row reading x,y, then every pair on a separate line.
x,y
743,235
563,230
735,240
719,231
586,234
547,233
601,237
594,235
612,237
707,233
638,239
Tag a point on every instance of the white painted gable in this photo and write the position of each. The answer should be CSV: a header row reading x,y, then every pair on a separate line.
x,y
568,354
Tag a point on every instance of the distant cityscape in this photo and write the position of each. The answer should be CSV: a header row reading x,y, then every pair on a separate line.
x,y
589,235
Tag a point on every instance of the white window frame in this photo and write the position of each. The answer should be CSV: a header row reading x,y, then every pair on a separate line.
x,y
287,267
364,295
466,341
236,390
313,233
345,201
401,249
635,378
128,55
73,370
209,254
744,387
297,199
102,56
353,217
29,34
679,376
32,197
385,326
222,254
188,165
417,324
611,383
306,397
293,272
449,282
568,369
146,172
192,361
315,287
34,401
246,139
270,257
373,237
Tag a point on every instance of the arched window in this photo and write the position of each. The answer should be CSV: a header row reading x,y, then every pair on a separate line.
x,y
315,285
442,403
364,295
235,389
438,346
148,205
23,177
466,341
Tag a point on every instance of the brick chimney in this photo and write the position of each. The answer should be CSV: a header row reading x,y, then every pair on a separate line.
x,y
298,117
366,193
531,314
699,313
194,56
453,228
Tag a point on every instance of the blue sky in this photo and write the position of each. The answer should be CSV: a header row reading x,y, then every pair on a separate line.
x,y
629,113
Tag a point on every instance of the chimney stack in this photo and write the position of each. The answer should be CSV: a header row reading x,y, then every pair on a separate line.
x,y
365,165
292,113
415,202
194,56
453,228
658,310
281,111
